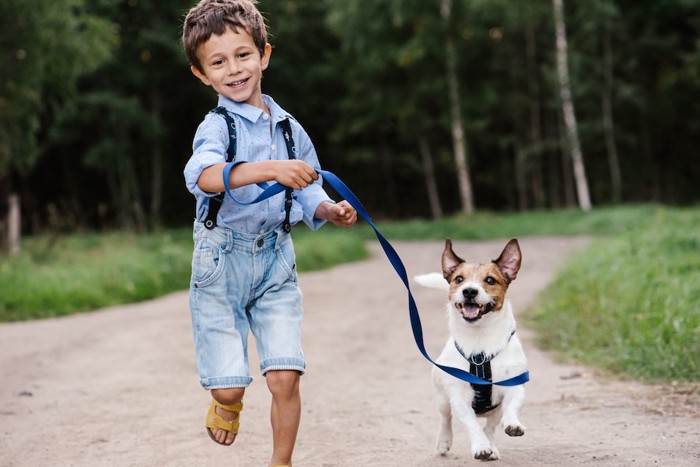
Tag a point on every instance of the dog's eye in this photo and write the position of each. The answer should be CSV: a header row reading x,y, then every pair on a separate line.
x,y
459,279
490,280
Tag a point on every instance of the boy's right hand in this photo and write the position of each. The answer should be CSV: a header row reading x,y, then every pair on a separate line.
x,y
294,174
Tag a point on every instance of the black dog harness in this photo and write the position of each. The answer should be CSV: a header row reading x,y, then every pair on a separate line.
x,y
480,366
215,202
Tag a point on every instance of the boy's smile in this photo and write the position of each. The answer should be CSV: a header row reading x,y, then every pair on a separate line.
x,y
232,65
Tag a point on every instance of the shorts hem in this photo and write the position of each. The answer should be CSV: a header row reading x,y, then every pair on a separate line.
x,y
226,382
294,364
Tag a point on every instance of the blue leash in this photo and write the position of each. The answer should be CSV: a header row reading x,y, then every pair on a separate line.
x,y
394,259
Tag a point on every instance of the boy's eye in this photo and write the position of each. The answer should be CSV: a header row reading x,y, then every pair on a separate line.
x,y
217,63
244,55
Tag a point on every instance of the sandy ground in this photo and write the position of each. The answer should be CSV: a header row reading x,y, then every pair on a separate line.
x,y
118,387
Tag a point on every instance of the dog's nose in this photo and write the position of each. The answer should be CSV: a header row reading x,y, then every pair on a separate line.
x,y
470,293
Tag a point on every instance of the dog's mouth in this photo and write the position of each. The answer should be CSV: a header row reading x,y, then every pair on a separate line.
x,y
472,311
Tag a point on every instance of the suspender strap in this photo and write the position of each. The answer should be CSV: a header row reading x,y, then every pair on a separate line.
x,y
291,153
215,202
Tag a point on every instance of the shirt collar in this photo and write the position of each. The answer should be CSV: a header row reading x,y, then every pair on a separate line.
x,y
252,113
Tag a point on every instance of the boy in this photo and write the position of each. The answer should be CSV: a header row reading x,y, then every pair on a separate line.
x,y
243,272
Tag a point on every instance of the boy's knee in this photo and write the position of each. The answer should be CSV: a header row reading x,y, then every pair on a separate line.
x,y
228,396
283,383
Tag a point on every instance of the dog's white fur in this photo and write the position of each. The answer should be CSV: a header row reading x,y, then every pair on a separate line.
x,y
489,333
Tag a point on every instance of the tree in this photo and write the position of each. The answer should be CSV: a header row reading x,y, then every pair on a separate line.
x,y
44,53
458,139
574,146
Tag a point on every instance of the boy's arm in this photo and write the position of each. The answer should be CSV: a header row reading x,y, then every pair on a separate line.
x,y
295,174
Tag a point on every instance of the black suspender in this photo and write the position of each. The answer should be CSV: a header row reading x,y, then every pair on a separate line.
x,y
291,153
215,202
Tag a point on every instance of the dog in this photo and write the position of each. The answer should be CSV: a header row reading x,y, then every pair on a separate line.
x,y
482,331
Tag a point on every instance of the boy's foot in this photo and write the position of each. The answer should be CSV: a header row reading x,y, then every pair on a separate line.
x,y
223,421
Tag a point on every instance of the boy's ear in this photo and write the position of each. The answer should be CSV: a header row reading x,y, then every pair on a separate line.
x,y
202,77
265,59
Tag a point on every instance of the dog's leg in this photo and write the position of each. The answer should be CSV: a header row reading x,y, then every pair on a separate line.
x,y
444,439
492,422
512,401
462,409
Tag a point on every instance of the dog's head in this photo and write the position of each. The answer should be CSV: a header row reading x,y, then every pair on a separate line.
x,y
478,289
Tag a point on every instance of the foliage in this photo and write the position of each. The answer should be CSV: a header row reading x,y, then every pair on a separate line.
x,y
98,107
47,45
629,302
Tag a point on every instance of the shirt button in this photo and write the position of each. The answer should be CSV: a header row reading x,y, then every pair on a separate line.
x,y
273,147
266,117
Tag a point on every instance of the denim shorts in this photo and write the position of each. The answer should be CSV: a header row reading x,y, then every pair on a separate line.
x,y
244,282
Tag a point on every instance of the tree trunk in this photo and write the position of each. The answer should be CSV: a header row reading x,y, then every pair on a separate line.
x,y
14,223
458,139
567,104
157,164
608,121
429,172
537,177
521,175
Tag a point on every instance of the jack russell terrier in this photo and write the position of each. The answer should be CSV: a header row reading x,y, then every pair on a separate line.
x,y
482,341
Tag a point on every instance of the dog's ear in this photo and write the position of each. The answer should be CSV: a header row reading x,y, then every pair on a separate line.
x,y
510,259
450,260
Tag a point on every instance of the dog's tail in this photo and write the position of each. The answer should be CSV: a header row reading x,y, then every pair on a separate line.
x,y
433,280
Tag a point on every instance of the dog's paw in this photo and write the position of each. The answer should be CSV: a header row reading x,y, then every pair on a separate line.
x,y
484,452
486,455
515,430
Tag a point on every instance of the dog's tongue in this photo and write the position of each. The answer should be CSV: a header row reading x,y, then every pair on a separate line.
x,y
470,310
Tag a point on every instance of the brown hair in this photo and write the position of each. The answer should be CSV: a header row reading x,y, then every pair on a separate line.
x,y
213,17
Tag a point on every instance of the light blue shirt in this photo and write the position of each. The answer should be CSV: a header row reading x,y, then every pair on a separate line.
x,y
259,138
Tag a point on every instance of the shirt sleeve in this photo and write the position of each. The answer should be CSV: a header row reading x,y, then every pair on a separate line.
x,y
208,148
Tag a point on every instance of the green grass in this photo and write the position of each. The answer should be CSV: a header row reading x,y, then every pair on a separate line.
x,y
56,276
488,225
630,303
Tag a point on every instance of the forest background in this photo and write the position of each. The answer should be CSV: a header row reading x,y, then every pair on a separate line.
x,y
424,107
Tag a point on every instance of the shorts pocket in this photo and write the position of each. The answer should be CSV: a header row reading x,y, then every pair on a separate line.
x,y
286,257
207,263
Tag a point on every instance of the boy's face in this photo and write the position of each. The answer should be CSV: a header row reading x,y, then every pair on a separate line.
x,y
232,65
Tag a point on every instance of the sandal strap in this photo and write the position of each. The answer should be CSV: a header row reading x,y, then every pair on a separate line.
x,y
231,408
214,420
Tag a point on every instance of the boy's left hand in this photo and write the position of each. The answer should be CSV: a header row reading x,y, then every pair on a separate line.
x,y
340,214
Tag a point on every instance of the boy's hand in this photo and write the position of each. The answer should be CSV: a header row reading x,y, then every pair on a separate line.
x,y
295,174
340,214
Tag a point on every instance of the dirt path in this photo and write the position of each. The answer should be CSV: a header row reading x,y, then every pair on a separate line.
x,y
118,387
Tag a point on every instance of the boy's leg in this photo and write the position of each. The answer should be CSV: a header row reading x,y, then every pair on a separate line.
x,y
227,396
285,413
275,317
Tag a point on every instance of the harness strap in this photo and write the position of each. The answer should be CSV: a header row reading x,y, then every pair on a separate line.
x,y
395,260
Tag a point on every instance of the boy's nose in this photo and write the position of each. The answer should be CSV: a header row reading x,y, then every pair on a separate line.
x,y
233,67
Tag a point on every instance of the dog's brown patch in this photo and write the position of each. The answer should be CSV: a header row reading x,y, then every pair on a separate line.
x,y
494,277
